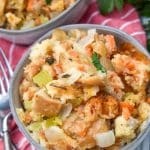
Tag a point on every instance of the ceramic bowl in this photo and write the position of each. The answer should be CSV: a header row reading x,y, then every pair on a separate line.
x,y
71,15
14,90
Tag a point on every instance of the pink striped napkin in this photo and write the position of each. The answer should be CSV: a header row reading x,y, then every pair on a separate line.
x,y
126,20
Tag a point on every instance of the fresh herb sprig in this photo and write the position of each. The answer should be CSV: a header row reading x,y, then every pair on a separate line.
x,y
142,6
107,6
97,64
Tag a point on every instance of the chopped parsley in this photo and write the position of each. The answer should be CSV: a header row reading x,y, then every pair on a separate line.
x,y
97,64
48,1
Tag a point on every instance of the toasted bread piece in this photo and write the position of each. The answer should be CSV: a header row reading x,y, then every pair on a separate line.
x,y
44,105
2,7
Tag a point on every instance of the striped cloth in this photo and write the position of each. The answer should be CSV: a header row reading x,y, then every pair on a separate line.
x,y
126,20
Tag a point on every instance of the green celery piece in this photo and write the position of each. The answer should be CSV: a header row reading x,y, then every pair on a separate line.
x,y
53,121
36,126
42,78
27,104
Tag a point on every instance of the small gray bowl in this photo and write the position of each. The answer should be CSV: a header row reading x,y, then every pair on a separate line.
x,y
14,90
71,15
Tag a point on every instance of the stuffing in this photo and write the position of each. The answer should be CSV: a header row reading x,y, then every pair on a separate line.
x,y
33,68
2,7
79,122
133,98
100,48
110,107
93,109
49,69
57,89
16,5
99,126
41,49
90,91
110,44
59,140
25,14
44,105
34,5
28,95
24,86
144,110
125,128
59,6
68,2
75,125
81,91
59,35
13,19
92,80
88,141
134,71
114,85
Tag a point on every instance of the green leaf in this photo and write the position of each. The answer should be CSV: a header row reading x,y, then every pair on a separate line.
x,y
106,6
48,1
97,64
132,1
119,4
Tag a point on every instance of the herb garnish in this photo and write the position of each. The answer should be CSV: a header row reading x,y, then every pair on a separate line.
x,y
97,64
48,1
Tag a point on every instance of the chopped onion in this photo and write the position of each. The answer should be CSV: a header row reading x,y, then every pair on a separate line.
x,y
74,76
88,39
65,112
54,134
106,63
105,139
58,49
39,50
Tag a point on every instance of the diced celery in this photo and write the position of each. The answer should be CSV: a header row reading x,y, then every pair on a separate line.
x,y
42,78
53,121
36,126
21,114
27,104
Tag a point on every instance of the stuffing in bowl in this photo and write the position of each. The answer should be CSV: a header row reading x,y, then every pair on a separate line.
x,y
25,14
84,90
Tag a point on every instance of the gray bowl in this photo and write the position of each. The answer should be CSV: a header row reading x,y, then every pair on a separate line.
x,y
14,91
71,15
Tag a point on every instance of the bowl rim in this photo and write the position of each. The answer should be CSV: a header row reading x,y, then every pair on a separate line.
x,y
134,143
42,26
